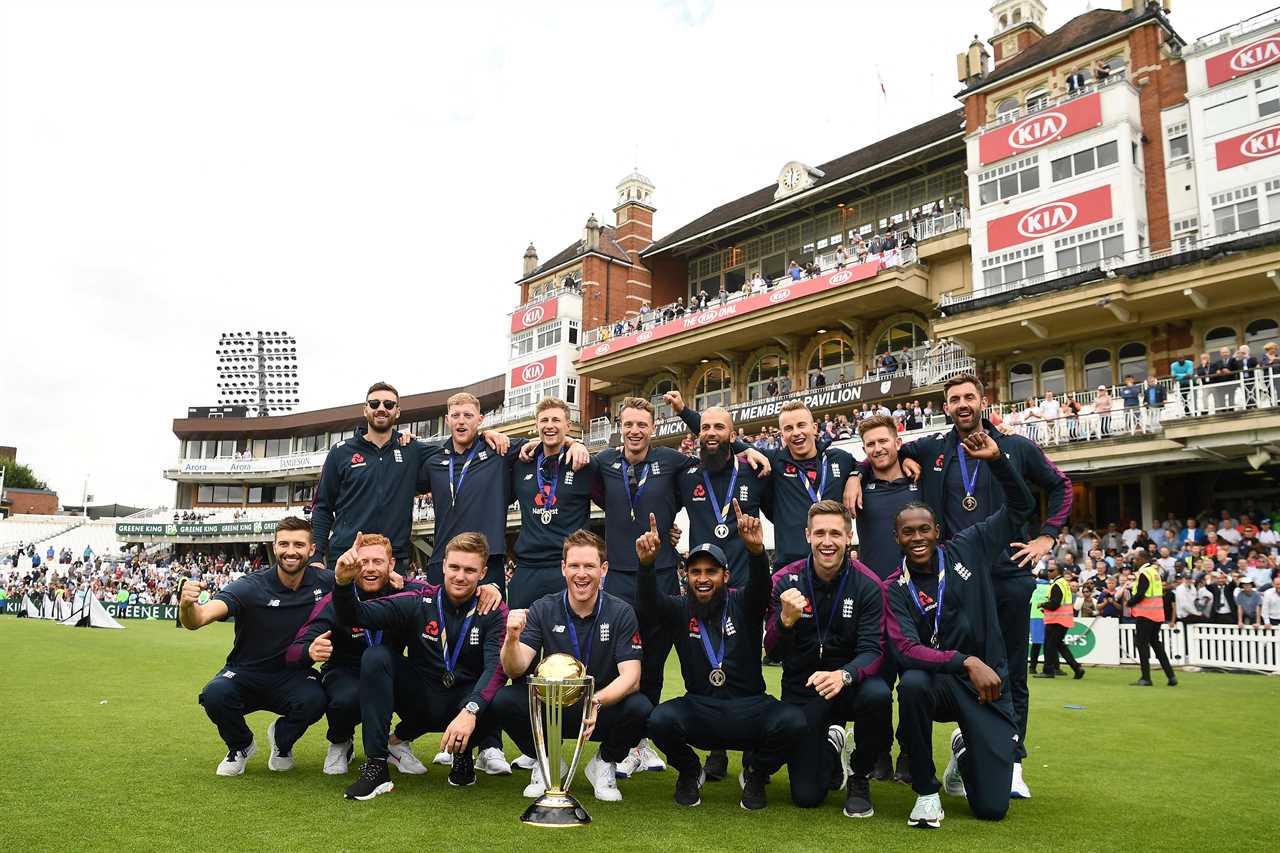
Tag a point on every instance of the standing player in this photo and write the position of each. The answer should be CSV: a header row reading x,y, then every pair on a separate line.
x,y
885,490
454,634
269,606
340,650
717,634
1059,616
944,627
962,492
826,621
554,499
601,631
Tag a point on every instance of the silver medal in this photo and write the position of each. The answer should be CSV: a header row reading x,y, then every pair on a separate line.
x,y
546,516
717,677
722,531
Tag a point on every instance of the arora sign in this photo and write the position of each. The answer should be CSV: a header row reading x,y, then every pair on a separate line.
x,y
1248,147
1050,218
1041,128
1234,63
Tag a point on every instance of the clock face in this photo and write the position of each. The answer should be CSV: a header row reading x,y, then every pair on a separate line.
x,y
791,178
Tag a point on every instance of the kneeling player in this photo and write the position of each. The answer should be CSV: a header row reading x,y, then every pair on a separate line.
x,y
825,625
943,624
269,606
453,633
601,631
716,632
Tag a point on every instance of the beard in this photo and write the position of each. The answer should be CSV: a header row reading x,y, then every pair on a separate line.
x,y
371,424
711,609
714,460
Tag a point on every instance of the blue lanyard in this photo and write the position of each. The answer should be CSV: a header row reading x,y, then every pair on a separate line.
x,y
942,588
967,481
716,659
549,495
721,510
822,481
451,660
471,455
633,499
371,638
573,632
835,602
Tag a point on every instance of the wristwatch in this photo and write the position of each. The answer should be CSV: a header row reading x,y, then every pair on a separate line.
x,y
472,708
847,676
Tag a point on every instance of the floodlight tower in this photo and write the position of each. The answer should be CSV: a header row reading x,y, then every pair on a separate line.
x,y
259,370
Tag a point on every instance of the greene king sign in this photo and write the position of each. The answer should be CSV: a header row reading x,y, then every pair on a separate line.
x,y
1041,128
1248,147
1049,218
1234,63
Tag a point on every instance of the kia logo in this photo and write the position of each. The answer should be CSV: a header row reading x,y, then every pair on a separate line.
x,y
602,349
1038,130
1253,56
533,316
779,295
705,317
1262,143
1047,219
644,336
533,372
841,277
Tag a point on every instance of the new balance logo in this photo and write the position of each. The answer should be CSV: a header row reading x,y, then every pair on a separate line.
x,y
559,629
528,476
275,602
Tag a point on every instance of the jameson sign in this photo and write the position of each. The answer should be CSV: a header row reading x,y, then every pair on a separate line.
x,y
166,612
232,528
817,399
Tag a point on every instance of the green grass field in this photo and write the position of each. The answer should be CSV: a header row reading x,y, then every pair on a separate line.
x,y
108,749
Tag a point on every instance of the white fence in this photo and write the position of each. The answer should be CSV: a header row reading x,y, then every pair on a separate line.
x,y
1204,645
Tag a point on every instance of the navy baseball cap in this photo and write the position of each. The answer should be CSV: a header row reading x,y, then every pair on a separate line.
x,y
715,552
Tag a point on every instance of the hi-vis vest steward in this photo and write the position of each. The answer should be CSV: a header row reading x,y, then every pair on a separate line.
x,y
1065,614
1152,606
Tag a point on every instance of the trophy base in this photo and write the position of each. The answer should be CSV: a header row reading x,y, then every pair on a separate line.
x,y
555,810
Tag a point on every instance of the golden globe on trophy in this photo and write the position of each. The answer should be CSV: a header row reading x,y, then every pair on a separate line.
x,y
559,682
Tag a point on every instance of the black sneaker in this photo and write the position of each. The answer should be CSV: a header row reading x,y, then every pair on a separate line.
x,y
464,770
374,780
688,788
902,770
1079,673
883,770
754,797
1142,682
1173,681
857,801
717,766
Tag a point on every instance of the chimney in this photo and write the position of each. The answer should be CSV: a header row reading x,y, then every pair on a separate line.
x,y
591,235
530,260
972,64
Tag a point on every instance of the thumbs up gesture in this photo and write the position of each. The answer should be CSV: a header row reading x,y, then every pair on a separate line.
x,y
321,648
649,543
348,565
749,530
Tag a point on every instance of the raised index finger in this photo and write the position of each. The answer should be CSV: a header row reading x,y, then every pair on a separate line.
x,y
737,510
653,524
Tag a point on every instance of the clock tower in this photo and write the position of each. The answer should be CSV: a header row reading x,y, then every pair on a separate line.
x,y
795,177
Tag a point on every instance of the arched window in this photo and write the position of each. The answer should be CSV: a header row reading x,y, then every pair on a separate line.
x,y
1097,369
1133,361
1004,22
1007,106
1037,99
1222,336
901,335
713,389
1017,15
657,390
834,360
1053,376
770,368
1022,381
1115,65
1259,333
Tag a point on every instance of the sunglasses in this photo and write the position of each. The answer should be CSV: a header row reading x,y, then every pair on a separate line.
x,y
386,404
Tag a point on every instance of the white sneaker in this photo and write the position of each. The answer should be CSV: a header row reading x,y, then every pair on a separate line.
x,y
337,758
603,778
400,756
537,785
1019,790
839,740
952,781
233,764
524,762
653,762
493,762
277,762
927,812
443,757
631,765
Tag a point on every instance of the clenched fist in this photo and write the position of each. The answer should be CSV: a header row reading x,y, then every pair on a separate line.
x,y
793,605
515,624
191,593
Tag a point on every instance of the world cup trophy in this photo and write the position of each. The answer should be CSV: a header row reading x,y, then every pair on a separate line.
x,y
560,682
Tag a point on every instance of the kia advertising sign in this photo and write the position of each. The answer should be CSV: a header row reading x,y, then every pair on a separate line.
x,y
1248,147
1050,218
1048,125
534,315
694,319
543,368
1241,60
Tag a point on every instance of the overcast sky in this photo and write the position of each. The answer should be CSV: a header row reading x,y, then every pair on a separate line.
x,y
367,175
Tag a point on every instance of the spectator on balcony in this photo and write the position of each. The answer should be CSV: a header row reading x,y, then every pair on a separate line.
x,y
771,389
1183,370
890,242
784,384
860,248
1102,408
842,257
644,315
888,364
1076,81
1154,395
723,297
876,245
819,380
702,299
1131,396
1101,72
758,284
1051,411
794,270
679,306
811,269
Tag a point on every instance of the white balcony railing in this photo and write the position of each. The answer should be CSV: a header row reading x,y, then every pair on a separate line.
x,y
512,414
1042,104
1235,32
